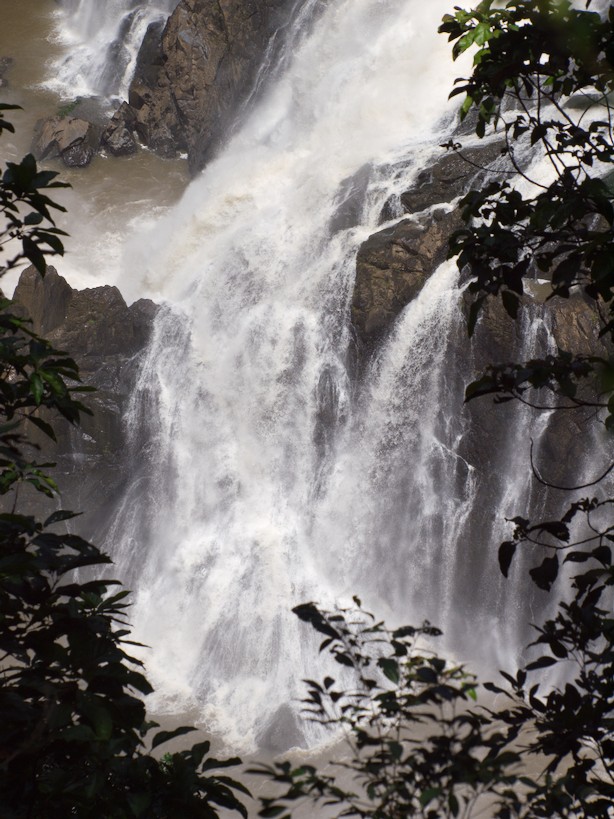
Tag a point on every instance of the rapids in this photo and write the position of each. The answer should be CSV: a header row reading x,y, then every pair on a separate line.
x,y
265,472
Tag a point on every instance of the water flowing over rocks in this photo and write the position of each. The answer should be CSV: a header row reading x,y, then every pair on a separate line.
x,y
105,337
193,72
452,174
569,324
393,264
263,472
391,269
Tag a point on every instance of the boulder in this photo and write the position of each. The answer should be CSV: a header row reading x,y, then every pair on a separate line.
x,y
73,140
391,269
452,175
192,73
393,264
45,300
119,137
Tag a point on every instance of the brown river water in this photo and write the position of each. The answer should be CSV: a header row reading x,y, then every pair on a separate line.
x,y
110,198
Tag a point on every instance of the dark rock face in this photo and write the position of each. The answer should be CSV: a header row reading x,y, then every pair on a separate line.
x,y
105,337
74,141
191,75
498,339
391,269
119,137
393,265
451,176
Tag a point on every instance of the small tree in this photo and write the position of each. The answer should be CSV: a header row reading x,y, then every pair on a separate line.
x,y
74,737
415,747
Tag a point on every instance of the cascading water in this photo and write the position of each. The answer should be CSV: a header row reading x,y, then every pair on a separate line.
x,y
264,475
264,480
102,41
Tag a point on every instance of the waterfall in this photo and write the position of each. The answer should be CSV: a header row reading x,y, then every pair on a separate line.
x,y
102,41
245,506
264,475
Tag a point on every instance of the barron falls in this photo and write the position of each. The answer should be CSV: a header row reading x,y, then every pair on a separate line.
x,y
257,283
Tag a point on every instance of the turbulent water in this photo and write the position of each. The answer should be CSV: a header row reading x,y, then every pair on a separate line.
x,y
270,479
101,40
265,475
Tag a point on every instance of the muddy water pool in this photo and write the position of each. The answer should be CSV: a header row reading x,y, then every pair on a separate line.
x,y
110,199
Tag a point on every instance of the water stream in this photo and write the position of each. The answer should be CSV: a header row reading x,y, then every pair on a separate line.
x,y
100,43
269,477
265,474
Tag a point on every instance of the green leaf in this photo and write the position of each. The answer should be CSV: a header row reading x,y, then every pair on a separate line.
x,y
166,736
37,387
390,668
427,796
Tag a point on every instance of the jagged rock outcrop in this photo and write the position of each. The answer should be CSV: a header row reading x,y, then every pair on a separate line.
x,y
393,265
119,137
452,174
105,337
73,140
391,269
192,73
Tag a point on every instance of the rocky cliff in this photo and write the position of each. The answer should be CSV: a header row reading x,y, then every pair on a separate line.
x,y
106,338
193,72
393,264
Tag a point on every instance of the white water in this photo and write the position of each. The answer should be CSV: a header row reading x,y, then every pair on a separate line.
x,y
265,477
102,40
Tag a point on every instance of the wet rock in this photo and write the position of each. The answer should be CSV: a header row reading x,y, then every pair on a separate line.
x,y
452,175
393,264
44,300
106,338
570,324
119,137
192,74
73,140
391,269
350,200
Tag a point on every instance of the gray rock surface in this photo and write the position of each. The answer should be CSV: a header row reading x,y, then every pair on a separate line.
x,y
119,137
392,266
452,175
73,140
192,74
